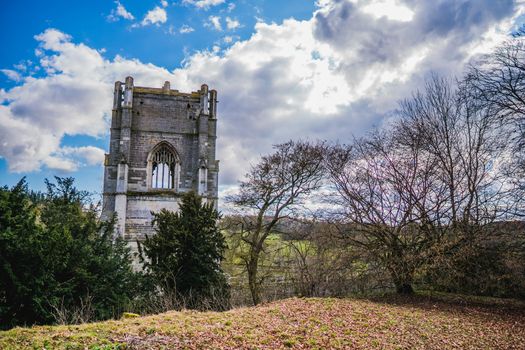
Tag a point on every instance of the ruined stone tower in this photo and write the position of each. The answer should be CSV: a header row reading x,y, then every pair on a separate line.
x,y
162,144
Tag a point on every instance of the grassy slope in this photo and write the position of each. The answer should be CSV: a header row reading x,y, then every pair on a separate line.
x,y
391,323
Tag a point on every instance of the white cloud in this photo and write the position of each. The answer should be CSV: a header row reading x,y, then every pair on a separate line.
x,y
120,12
203,4
12,74
156,16
23,65
232,23
22,144
164,3
92,155
231,7
171,29
74,98
61,164
184,29
391,9
214,22
328,77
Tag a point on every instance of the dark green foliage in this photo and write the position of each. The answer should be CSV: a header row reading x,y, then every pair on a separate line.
x,y
22,250
88,261
58,263
184,256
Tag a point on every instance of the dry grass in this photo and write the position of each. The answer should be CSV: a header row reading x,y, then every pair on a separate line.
x,y
382,323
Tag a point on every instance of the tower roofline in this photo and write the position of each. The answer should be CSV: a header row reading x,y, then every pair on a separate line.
x,y
161,91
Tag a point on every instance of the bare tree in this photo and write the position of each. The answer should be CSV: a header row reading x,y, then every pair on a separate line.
x,y
384,190
433,174
470,147
274,189
322,263
467,146
497,81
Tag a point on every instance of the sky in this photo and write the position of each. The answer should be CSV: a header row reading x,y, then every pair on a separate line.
x,y
288,69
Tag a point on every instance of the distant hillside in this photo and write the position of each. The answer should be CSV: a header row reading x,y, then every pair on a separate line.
x,y
386,323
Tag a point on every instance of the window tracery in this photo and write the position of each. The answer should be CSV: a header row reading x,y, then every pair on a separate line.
x,y
164,168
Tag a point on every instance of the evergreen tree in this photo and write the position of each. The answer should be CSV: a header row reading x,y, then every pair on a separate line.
x,y
185,254
87,262
58,262
23,244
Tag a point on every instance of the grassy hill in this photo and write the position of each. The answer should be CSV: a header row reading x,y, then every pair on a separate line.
x,y
317,323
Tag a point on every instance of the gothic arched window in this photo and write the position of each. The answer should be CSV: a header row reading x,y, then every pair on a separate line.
x,y
164,168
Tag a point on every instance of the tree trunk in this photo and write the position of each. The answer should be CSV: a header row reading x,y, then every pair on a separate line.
x,y
402,276
404,288
252,278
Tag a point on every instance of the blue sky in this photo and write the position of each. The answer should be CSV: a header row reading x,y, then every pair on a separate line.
x,y
326,69
87,22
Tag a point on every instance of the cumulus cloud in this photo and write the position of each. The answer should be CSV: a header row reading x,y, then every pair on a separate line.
x,y
22,144
12,74
185,29
232,23
230,39
338,73
214,22
156,16
375,52
91,155
203,4
328,77
390,9
120,12
23,65
74,98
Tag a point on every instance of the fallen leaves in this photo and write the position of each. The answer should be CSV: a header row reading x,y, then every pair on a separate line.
x,y
317,323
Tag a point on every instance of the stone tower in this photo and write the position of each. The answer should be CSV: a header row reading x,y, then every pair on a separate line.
x,y
162,144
